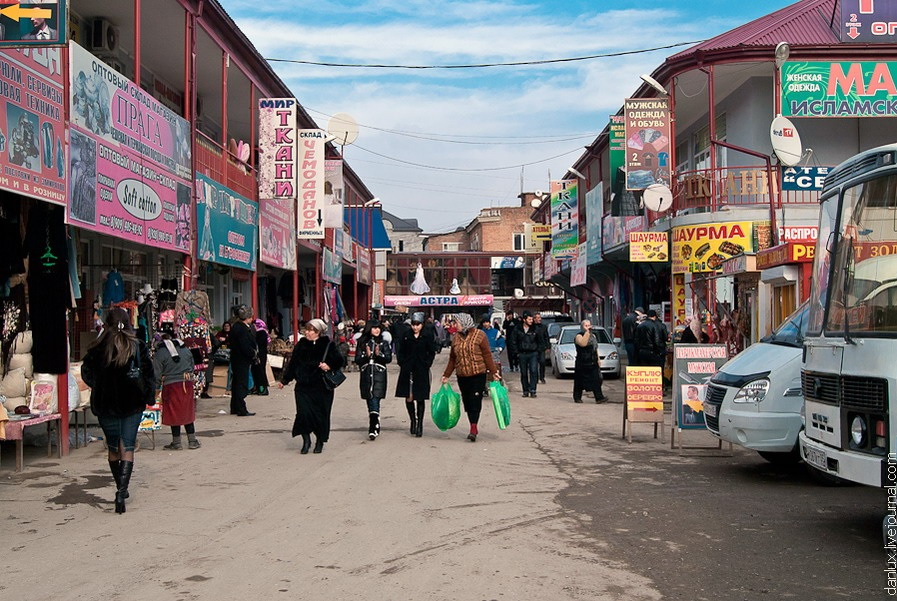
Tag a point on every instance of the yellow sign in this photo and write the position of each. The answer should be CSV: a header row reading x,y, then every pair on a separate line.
x,y
702,248
644,394
648,246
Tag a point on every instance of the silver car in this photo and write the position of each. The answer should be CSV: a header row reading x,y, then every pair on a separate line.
x,y
563,352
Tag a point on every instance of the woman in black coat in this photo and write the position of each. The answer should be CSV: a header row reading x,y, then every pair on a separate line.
x,y
415,356
372,355
117,398
312,356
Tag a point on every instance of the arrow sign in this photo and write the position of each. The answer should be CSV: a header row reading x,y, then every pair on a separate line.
x,y
853,33
17,13
320,219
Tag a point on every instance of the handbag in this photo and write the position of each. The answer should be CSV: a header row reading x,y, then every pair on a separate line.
x,y
334,377
134,373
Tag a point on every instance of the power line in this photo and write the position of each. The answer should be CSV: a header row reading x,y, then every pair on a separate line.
x,y
421,165
484,65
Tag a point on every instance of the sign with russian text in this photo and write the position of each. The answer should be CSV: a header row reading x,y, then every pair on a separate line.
x,y
461,300
649,247
616,230
277,148
129,159
35,23
869,21
226,225
363,267
839,89
333,267
702,248
681,314
277,232
310,212
787,253
32,149
579,266
693,366
594,212
798,179
564,218
644,394
333,193
616,148
647,123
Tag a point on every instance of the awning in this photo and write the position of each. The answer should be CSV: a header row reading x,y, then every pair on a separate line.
x,y
362,221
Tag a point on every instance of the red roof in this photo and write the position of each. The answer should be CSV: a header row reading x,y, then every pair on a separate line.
x,y
804,23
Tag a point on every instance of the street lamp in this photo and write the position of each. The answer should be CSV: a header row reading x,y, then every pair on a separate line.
x,y
576,173
654,84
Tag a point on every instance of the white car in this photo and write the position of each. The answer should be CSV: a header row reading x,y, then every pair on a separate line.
x,y
563,352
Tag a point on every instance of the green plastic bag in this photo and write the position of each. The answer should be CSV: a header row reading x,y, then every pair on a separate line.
x,y
445,408
500,403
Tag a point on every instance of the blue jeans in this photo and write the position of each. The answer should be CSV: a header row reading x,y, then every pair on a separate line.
x,y
373,405
120,430
529,370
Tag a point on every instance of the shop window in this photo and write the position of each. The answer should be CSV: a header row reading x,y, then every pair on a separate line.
x,y
519,242
784,303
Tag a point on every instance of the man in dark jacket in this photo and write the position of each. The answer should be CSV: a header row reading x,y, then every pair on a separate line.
x,y
650,341
543,333
510,325
630,323
243,353
528,342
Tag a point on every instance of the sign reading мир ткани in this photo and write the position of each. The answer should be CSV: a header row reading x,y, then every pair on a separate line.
x,y
277,147
839,89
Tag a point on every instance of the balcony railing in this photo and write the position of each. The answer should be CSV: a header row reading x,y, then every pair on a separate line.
x,y
214,161
708,190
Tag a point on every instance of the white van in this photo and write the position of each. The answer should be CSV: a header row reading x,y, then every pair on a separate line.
x,y
755,400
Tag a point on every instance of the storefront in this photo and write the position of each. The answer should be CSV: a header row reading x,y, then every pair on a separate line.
x,y
436,306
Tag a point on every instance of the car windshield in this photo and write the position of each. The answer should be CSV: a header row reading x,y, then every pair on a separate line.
x,y
568,334
793,329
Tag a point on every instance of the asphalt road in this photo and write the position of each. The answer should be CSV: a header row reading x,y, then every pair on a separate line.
x,y
557,506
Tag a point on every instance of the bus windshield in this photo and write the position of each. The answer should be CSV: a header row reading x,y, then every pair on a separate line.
x,y
863,271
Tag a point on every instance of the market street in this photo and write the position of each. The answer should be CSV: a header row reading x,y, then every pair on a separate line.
x,y
555,507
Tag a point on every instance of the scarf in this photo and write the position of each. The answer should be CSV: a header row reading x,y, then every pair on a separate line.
x,y
465,321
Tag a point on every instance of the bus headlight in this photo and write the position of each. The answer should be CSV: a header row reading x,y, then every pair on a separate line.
x,y
858,431
752,392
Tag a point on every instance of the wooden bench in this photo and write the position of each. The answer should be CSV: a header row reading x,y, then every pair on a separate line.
x,y
16,428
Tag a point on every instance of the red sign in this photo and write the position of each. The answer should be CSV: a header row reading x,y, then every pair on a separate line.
x,y
784,254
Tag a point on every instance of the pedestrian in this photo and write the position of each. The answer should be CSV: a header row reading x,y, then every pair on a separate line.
x,y
259,367
373,354
471,357
312,356
510,325
243,353
415,357
650,341
630,323
173,365
496,340
543,333
587,366
119,371
528,342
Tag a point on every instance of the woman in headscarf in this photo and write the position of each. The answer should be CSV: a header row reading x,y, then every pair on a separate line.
x,y
471,356
374,352
415,356
259,369
120,373
312,356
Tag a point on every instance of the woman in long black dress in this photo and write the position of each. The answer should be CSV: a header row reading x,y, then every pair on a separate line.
x,y
415,356
587,367
312,356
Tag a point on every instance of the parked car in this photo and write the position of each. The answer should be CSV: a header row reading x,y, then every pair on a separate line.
x,y
563,352
755,400
554,322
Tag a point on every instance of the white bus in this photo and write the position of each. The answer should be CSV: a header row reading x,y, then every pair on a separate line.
x,y
849,376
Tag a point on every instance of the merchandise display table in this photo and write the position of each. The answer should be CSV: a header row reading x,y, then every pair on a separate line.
x,y
15,429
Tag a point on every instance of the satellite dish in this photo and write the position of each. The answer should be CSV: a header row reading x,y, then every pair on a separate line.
x,y
786,141
518,293
535,203
657,198
539,194
343,128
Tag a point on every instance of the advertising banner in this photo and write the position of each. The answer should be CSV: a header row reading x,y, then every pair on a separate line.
x,y
564,218
579,266
226,225
310,213
130,163
616,145
647,123
594,211
649,247
681,315
277,232
537,270
333,267
363,270
693,365
277,148
644,394
703,248
333,194
461,300
839,89
36,23
549,267
868,21
804,178
616,230
32,151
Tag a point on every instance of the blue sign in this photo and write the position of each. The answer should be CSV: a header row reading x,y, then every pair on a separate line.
x,y
226,225
594,205
804,178
869,21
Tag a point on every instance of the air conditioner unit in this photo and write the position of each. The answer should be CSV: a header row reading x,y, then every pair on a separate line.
x,y
104,36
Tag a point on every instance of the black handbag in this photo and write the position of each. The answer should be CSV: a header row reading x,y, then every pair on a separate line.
x,y
334,377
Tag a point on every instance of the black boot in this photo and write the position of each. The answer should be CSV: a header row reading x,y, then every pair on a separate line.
x,y
319,446
115,467
411,417
127,468
306,444
419,430
373,425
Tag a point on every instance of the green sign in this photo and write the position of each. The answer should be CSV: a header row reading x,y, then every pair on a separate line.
x,y
839,89
616,147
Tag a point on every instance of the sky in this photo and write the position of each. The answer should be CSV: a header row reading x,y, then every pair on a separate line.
x,y
438,145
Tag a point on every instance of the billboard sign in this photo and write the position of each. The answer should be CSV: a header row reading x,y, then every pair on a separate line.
x,y
839,89
226,225
869,21
277,147
647,122
704,248
36,23
277,232
310,212
564,218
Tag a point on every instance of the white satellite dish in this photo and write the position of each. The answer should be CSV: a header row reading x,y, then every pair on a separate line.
x,y
518,293
539,194
657,198
786,141
343,128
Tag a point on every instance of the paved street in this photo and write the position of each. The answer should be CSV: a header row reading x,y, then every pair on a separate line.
x,y
555,507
